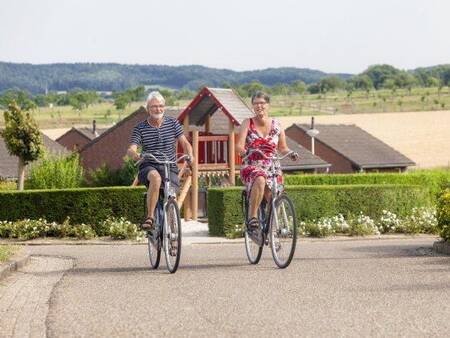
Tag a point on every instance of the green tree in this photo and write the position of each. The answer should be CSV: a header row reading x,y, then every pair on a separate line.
x,y
22,138
20,97
298,87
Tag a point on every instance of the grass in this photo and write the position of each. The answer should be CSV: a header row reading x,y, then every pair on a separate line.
x,y
6,251
340,102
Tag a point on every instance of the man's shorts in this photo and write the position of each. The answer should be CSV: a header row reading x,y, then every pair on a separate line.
x,y
173,175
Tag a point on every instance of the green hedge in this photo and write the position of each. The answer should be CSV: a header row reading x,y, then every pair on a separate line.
x,y
443,214
83,205
433,180
314,202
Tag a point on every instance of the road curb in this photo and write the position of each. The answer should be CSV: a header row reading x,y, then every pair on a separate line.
x,y
442,247
13,264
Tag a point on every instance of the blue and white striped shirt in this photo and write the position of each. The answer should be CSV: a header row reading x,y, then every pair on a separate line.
x,y
158,140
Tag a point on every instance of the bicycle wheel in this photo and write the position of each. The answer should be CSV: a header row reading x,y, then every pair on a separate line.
x,y
172,236
154,251
283,231
253,250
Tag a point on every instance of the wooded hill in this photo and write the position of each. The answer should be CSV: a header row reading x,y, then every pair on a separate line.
x,y
118,77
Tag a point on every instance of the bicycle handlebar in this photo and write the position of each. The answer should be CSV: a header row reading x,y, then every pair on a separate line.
x,y
273,158
152,157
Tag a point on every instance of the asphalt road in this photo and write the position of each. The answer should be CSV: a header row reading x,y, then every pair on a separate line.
x,y
332,288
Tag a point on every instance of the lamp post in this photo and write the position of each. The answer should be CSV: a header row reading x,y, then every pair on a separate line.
x,y
312,133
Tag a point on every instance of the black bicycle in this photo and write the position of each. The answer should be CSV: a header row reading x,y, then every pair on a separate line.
x,y
167,232
277,219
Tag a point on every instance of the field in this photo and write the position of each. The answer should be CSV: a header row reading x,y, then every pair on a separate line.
x,y
424,137
400,100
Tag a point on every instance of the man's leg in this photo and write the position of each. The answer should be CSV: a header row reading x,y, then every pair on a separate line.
x,y
256,195
154,183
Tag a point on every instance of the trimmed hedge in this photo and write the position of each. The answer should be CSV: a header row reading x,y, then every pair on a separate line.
x,y
314,202
83,205
433,180
443,214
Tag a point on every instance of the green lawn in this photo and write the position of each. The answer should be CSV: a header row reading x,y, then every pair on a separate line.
x,y
6,251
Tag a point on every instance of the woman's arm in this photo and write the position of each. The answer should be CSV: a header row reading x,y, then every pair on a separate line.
x,y
242,135
283,148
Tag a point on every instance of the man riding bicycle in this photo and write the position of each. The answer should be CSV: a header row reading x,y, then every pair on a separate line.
x,y
266,135
157,135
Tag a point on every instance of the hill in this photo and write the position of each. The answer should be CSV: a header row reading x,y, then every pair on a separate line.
x,y
118,77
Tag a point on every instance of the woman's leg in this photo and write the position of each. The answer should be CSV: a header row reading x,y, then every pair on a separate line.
x,y
256,195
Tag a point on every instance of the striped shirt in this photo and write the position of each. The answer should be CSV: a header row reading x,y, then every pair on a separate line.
x,y
158,140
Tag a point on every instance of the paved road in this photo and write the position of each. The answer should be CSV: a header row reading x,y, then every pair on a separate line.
x,y
344,288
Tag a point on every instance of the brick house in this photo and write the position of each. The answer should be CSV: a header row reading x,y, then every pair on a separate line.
x,y
77,137
349,148
111,146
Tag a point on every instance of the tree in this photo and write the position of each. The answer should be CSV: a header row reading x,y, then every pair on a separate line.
x,y
298,87
22,138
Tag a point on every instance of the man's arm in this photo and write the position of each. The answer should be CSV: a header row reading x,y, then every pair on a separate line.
x,y
186,146
132,152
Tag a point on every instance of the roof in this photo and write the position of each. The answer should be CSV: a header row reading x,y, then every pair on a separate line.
x,y
83,131
209,100
307,160
9,164
169,111
358,146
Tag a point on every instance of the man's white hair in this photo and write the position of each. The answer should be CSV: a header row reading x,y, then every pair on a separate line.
x,y
155,95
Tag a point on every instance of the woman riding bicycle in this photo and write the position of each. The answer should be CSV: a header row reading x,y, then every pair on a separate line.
x,y
265,134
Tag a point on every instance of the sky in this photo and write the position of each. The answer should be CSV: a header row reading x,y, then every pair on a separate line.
x,y
344,36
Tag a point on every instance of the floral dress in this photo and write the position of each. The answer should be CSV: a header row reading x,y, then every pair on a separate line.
x,y
255,165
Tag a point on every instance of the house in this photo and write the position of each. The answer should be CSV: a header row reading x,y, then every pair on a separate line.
x,y
77,137
110,147
9,164
349,148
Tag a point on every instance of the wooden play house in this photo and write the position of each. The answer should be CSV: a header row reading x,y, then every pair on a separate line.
x,y
210,122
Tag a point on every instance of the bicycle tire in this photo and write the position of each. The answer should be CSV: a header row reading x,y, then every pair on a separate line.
x,y
284,234
154,252
252,249
172,239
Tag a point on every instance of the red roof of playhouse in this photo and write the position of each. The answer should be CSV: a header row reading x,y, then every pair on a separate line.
x,y
209,100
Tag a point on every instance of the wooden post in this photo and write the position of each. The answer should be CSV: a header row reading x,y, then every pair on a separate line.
x,y
231,152
187,201
194,189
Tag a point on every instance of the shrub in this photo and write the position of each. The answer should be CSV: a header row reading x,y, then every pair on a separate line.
x,y
389,222
120,228
104,176
433,180
82,205
316,202
363,225
443,215
56,172
421,220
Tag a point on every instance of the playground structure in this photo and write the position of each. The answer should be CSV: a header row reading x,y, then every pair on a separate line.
x,y
210,123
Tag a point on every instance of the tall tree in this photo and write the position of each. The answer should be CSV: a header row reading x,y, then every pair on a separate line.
x,y
22,138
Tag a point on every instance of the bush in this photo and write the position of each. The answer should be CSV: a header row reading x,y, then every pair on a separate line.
x,y
443,215
56,173
82,205
363,225
27,229
433,180
107,177
121,228
421,220
316,202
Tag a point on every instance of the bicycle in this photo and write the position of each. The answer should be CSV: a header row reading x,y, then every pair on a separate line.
x,y
167,231
278,228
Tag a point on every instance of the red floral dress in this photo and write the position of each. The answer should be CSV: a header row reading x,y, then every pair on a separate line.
x,y
255,165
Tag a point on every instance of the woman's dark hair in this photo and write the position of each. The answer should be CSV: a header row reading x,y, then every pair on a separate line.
x,y
260,94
